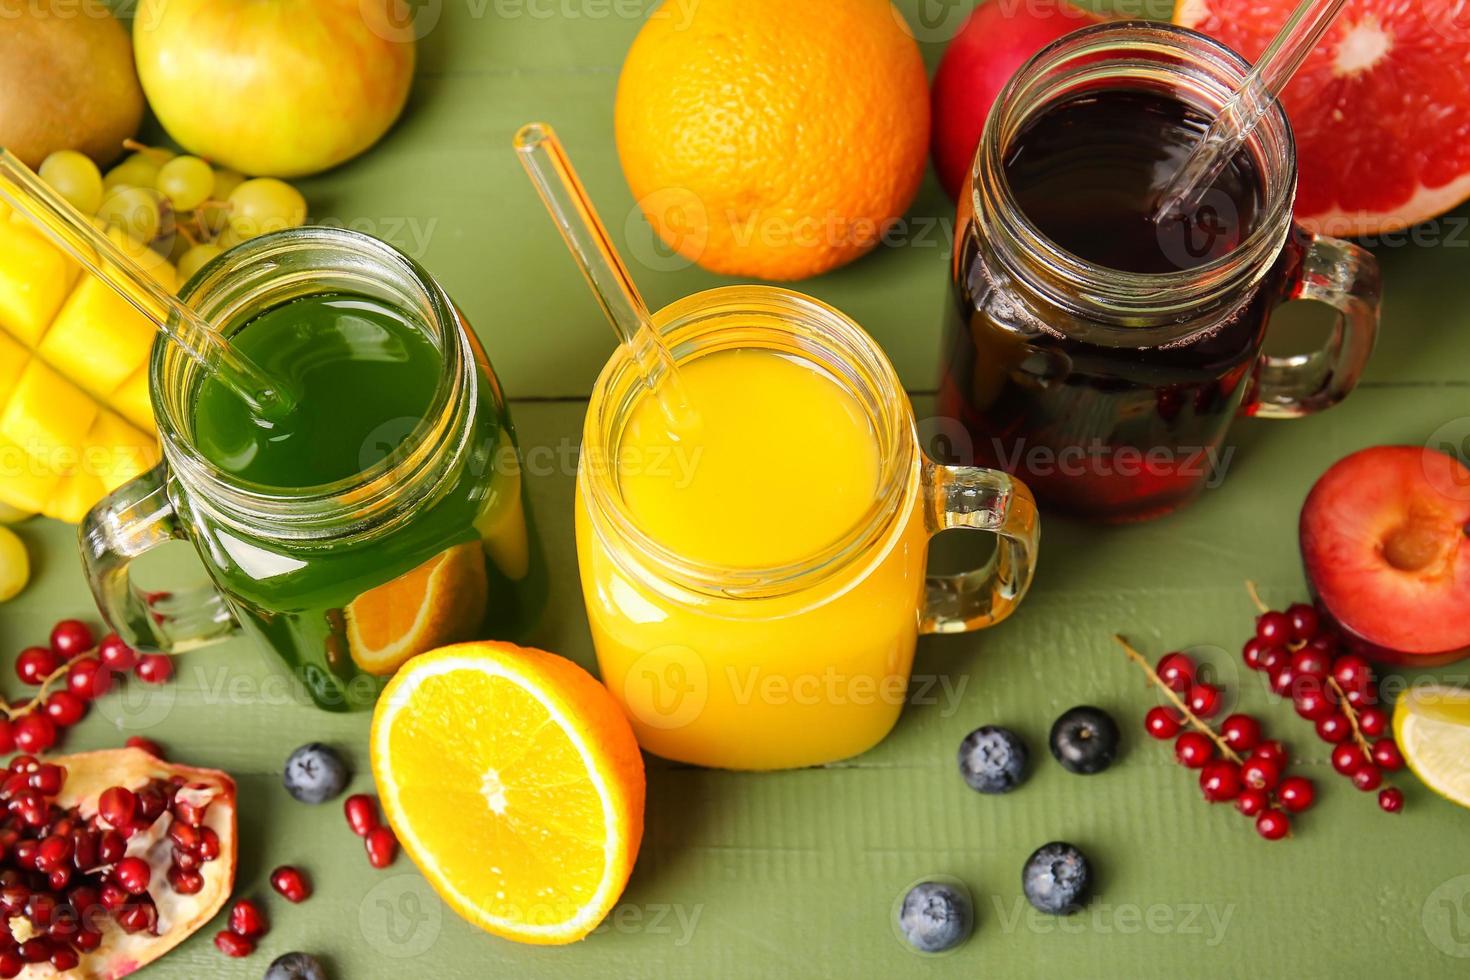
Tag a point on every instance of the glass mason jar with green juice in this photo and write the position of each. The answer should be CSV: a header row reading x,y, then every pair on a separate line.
x,y
383,516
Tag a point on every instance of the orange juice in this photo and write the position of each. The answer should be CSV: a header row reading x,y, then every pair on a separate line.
x,y
754,579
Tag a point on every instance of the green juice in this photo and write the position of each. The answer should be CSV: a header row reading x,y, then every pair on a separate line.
x,y
345,613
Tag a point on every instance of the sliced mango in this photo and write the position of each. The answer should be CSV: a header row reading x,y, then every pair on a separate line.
x,y
76,421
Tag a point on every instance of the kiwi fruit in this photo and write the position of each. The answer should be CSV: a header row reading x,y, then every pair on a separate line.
x,y
67,81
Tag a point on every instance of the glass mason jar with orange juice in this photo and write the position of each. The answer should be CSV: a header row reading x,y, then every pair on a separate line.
x,y
755,579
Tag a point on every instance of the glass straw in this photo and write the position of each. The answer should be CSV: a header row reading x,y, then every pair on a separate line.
x,y
546,163
1245,110
75,234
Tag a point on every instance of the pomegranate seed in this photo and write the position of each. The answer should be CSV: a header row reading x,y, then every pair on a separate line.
x,y
84,849
186,860
35,664
23,763
36,950
113,895
233,945
382,847
59,878
55,851
151,803
88,679
291,883
208,848
39,909
47,779
34,733
185,837
185,882
154,668
246,919
118,806
115,654
110,847
133,874
30,807
190,813
87,940
1273,825
65,959
72,638
65,709
137,917
147,745
11,964
362,814
1391,800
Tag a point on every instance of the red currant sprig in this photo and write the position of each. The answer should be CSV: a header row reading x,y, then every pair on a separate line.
x,y
1303,655
1255,781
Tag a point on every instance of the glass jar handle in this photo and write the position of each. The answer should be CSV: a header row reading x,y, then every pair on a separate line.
x,y
125,525
980,500
1347,278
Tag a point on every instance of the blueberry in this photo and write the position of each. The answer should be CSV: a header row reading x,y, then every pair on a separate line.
x,y
993,760
315,773
936,916
295,966
1085,740
1056,878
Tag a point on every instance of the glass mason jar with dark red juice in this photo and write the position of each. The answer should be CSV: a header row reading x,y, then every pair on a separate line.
x,y
1102,356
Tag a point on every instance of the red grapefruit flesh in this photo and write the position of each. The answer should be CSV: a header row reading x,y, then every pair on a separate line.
x,y
1381,109
1385,536
998,38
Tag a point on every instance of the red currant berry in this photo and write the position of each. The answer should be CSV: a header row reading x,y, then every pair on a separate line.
x,y
1205,700
1251,652
1274,628
1373,721
1386,755
1273,659
1176,670
154,668
1325,644
1307,662
1241,732
65,709
1161,722
1348,759
1352,672
1260,773
1297,793
1304,621
1272,750
1273,824
35,664
72,638
1283,681
1193,750
1391,800
34,733
115,654
1312,702
88,679
1334,728
1362,697
1368,777
1252,801
1220,781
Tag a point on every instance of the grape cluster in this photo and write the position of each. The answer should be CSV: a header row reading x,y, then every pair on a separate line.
x,y
1236,764
1304,656
187,210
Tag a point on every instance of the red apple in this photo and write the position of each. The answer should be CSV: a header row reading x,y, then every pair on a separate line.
x,y
999,37
1385,535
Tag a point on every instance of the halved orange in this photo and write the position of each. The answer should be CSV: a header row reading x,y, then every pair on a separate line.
x,y
440,602
513,781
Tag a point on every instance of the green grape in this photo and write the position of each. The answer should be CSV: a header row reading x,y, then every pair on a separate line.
x,y
75,177
264,205
229,238
187,182
195,258
226,181
138,170
134,210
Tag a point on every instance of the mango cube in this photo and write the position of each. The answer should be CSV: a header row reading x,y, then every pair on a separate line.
x,y
115,452
25,482
134,402
73,497
97,340
48,416
34,278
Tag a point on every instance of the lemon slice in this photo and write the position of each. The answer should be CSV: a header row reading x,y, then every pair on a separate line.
x,y
1432,727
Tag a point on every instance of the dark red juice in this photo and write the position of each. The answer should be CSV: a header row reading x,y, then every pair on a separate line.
x,y
1104,427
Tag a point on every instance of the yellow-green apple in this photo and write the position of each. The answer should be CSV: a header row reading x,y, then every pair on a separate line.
x,y
279,88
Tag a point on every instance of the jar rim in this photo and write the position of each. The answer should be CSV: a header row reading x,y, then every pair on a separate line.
x,y
1135,303
253,277
743,317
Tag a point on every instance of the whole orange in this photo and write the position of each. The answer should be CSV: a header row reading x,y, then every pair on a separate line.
x,y
773,138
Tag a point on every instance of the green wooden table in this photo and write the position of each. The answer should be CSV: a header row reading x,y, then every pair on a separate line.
x,y
795,874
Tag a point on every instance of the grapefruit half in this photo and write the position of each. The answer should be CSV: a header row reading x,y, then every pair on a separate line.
x,y
1381,109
